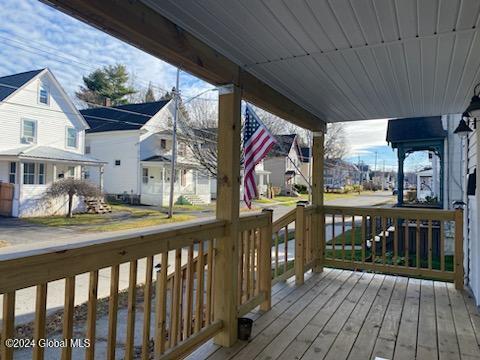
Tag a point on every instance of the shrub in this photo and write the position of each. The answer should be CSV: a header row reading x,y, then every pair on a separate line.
x,y
301,189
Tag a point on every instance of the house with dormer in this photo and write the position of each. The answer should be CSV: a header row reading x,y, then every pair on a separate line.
x,y
41,141
135,141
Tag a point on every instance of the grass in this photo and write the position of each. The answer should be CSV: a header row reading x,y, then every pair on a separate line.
x,y
141,223
348,237
79,219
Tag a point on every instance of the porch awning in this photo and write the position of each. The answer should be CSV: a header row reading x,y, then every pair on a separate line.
x,y
48,153
166,159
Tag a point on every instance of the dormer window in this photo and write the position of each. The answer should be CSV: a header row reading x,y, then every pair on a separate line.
x,y
71,137
43,94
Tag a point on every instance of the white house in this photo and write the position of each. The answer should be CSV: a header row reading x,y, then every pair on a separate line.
x,y
135,142
41,139
284,163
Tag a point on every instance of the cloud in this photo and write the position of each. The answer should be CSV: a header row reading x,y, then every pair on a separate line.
x,y
362,135
44,37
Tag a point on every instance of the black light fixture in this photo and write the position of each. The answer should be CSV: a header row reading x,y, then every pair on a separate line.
x,y
462,129
474,107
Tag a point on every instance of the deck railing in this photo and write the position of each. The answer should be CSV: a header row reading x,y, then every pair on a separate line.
x,y
424,243
178,264
180,294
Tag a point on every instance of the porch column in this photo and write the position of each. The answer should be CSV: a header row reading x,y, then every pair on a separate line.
x,y
401,160
228,208
101,171
318,220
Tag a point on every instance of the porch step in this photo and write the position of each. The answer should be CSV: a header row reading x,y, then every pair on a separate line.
x,y
97,206
191,199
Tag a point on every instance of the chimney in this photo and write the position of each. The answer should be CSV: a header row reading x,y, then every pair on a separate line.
x,y
107,102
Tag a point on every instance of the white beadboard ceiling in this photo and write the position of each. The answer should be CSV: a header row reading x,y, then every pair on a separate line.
x,y
347,59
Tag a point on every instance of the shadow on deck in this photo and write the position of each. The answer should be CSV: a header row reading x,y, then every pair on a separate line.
x,y
353,315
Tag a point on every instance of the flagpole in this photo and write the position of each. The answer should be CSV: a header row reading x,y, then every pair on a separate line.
x,y
174,145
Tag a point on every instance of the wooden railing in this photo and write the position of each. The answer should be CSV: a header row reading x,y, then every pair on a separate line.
x,y
254,264
180,294
424,243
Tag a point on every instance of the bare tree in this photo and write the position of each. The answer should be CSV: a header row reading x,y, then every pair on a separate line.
x,y
336,145
71,188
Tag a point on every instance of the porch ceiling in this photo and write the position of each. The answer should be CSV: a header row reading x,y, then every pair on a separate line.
x,y
347,60
340,60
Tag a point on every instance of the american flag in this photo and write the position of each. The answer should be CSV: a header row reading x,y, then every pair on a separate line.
x,y
257,142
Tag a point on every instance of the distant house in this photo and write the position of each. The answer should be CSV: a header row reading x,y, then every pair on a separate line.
x,y
135,142
284,162
41,140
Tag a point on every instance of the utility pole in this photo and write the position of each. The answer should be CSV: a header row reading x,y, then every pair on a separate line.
x,y
176,94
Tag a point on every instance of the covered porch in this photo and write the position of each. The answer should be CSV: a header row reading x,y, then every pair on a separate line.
x,y
198,279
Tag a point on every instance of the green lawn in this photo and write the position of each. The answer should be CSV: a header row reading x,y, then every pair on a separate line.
x,y
141,223
348,237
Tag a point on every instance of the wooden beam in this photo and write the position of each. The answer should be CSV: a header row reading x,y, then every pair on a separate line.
x,y
318,220
146,29
228,209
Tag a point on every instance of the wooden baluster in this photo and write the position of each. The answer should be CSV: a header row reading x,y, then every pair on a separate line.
x,y
395,241
240,268
384,240
247,265
458,251
161,306
132,299
147,308
352,255
69,307
113,312
344,237
442,246
285,264
187,318
92,314
181,304
208,313
406,245
417,244
8,323
252,262
373,248
334,252
174,309
363,238
277,236
430,248
40,316
199,294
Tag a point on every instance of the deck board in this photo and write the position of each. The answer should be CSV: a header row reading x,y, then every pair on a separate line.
x,y
340,314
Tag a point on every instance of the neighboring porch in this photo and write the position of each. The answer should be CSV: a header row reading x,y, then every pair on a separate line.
x,y
191,186
340,314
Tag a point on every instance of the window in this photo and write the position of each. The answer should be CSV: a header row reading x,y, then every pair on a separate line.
x,y
43,96
86,174
145,175
163,143
88,149
71,137
117,162
71,172
183,178
29,173
41,174
182,148
12,176
29,131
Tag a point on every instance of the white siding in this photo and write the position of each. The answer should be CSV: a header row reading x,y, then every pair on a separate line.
x,y
472,242
111,146
52,120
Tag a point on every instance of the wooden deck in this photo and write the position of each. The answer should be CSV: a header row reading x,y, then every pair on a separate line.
x,y
352,315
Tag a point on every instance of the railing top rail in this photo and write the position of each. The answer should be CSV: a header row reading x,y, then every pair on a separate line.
x,y
22,269
284,220
251,221
406,213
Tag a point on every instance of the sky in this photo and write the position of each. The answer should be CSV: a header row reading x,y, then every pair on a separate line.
x,y
44,37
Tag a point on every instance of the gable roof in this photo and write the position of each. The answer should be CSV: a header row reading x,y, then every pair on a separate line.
x,y
11,83
283,145
122,117
415,129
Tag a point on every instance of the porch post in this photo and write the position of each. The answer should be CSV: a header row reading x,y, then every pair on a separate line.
x,y
101,170
318,220
228,209
401,160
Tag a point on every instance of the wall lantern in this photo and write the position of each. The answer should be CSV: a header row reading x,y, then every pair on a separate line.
x,y
463,129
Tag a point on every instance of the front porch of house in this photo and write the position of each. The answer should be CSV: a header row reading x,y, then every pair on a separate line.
x,y
343,314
